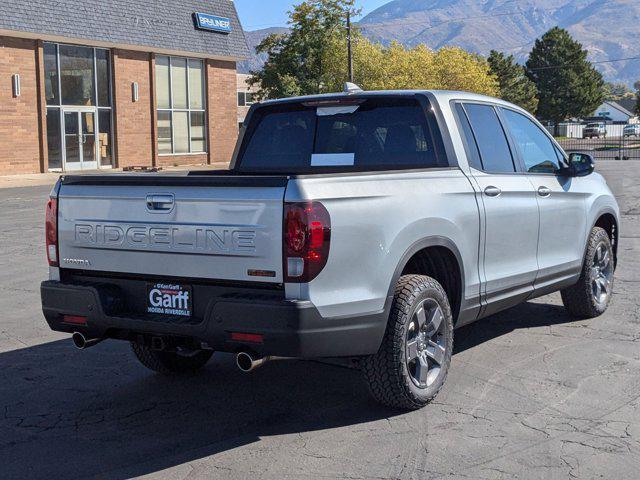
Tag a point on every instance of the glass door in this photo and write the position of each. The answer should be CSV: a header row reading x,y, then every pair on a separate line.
x,y
80,140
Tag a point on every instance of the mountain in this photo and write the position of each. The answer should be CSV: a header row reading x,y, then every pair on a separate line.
x,y
254,38
608,29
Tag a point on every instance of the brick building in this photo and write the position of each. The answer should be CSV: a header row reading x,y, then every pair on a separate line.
x,y
88,84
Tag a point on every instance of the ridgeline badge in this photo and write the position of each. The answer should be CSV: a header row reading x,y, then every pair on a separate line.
x,y
204,21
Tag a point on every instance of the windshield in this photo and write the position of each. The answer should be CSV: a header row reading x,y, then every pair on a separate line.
x,y
378,133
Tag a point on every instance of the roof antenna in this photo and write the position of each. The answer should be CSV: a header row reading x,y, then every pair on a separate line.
x,y
350,88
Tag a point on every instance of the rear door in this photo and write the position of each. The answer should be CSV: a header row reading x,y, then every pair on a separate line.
x,y
223,229
509,249
561,201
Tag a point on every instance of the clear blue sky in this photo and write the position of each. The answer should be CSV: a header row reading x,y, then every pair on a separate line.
x,y
257,14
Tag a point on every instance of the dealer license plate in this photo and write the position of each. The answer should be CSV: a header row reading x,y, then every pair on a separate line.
x,y
166,298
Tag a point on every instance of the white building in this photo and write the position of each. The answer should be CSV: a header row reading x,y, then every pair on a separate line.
x,y
614,112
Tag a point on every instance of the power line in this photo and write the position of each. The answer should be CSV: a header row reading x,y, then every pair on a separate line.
x,y
420,22
568,65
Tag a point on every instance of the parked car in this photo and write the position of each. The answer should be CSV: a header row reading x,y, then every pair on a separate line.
x,y
364,225
594,130
632,130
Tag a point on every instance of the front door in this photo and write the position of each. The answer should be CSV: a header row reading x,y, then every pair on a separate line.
x,y
561,201
80,140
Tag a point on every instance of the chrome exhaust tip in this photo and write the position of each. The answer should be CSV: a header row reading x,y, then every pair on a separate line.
x,y
246,362
81,342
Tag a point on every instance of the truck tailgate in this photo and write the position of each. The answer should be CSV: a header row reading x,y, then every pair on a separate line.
x,y
222,228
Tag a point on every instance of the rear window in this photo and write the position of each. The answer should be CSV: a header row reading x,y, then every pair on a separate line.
x,y
377,134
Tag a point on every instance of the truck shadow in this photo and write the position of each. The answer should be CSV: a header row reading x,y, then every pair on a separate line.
x,y
97,413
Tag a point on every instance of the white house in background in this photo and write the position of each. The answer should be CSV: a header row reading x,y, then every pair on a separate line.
x,y
613,111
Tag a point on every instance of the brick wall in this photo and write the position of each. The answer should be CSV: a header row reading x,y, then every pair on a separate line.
x,y
192,159
223,110
19,121
133,120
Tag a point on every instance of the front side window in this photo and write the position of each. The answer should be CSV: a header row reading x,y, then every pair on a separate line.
x,y
536,149
490,138
382,133
180,97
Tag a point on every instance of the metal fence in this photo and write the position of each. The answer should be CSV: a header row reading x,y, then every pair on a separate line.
x,y
615,146
609,148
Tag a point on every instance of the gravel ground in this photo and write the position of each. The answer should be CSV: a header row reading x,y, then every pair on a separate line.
x,y
531,393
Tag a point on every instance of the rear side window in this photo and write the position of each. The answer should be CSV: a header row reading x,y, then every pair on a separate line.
x,y
490,138
473,154
377,134
537,151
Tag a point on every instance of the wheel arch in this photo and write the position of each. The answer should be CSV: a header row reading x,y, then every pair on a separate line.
x,y
607,220
452,281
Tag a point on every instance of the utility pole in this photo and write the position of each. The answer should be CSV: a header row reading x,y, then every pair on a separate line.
x,y
349,52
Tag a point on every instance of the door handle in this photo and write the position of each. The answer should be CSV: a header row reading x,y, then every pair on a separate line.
x,y
544,191
160,203
492,191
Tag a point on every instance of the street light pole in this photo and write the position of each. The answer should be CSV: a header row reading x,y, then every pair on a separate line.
x,y
349,52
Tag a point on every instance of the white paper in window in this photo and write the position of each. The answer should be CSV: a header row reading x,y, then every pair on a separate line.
x,y
332,159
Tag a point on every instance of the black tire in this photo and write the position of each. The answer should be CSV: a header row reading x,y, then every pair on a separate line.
x,y
581,300
390,377
170,363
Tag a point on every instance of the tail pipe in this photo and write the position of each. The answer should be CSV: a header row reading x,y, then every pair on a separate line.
x,y
81,342
247,362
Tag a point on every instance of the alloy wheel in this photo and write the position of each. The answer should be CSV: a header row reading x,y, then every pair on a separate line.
x,y
425,344
601,274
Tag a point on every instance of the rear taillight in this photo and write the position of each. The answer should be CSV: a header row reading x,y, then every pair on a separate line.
x,y
307,235
51,231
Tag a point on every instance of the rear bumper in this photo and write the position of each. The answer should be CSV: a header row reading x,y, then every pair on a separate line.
x,y
289,328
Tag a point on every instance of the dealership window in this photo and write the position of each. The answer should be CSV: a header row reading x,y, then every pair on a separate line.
x,y
77,79
245,99
180,93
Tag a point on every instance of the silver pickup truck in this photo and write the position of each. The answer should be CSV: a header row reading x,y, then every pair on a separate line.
x,y
364,225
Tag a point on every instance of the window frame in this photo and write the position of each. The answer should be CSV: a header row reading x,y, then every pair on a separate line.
x,y
436,130
98,108
244,94
518,160
189,110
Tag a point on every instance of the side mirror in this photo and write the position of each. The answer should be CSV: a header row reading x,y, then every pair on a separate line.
x,y
580,165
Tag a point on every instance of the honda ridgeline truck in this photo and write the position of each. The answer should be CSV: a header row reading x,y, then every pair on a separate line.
x,y
363,225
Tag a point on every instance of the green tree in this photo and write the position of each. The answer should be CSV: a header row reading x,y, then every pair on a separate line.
x,y
568,84
637,87
515,86
616,91
296,61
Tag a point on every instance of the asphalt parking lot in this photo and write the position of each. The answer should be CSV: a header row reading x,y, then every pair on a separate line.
x,y
531,393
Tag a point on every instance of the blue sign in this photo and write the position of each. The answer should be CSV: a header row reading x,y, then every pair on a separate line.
x,y
204,21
